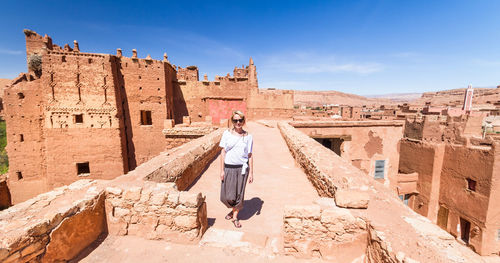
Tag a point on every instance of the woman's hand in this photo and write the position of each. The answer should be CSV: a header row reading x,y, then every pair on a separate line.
x,y
222,175
250,178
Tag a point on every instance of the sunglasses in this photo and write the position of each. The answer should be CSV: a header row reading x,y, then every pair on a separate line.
x,y
238,120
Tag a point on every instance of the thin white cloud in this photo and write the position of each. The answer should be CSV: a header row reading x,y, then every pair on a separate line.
x,y
311,63
4,51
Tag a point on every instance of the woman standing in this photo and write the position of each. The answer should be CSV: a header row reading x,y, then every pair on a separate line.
x,y
236,166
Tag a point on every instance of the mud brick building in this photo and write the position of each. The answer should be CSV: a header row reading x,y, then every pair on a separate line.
x,y
450,175
80,115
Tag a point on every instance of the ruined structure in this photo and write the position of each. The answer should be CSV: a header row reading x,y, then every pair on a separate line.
x,y
138,134
84,115
458,176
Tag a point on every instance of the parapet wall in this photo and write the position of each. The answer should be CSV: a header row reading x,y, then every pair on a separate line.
x,y
191,158
394,232
58,225
335,178
324,230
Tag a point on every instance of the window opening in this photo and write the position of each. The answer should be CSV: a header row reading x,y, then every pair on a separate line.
x,y
146,118
471,184
405,198
19,175
20,95
63,58
379,169
21,137
83,169
79,118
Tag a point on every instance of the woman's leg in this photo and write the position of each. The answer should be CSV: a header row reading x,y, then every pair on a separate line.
x,y
236,222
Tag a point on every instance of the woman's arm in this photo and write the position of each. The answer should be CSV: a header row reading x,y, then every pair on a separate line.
x,y
222,157
250,166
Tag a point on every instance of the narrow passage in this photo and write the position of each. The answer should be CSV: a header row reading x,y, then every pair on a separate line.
x,y
277,182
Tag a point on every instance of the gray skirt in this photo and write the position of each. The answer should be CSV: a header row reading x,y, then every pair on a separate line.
x,y
232,191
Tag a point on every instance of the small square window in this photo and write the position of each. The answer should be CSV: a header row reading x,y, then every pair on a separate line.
x,y
146,117
79,118
20,95
63,59
471,184
83,169
19,175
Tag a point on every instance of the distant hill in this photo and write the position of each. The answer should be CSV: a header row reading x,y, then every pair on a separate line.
x,y
456,97
398,97
319,98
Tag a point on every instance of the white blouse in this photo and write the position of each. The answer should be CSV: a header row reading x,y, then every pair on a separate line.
x,y
237,148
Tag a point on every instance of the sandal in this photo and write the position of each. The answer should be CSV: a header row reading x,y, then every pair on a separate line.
x,y
236,223
229,216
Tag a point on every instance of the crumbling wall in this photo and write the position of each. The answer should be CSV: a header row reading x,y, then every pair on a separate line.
x,y
425,159
24,124
326,231
184,168
330,173
54,226
366,142
156,211
58,225
460,164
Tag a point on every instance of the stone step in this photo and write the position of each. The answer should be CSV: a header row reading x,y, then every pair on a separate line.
x,y
247,242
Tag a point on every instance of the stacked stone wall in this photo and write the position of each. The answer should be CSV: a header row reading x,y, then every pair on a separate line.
x,y
326,231
156,211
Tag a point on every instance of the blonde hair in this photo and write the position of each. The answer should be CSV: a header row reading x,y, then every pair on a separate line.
x,y
239,113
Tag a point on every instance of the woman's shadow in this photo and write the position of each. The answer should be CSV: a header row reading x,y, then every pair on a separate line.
x,y
250,207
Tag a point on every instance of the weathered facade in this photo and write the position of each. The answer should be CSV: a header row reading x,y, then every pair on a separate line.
x,y
372,146
76,115
457,182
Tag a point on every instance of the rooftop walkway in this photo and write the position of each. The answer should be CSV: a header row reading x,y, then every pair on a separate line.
x,y
277,182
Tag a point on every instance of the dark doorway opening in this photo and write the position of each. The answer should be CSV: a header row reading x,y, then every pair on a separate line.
x,y
464,230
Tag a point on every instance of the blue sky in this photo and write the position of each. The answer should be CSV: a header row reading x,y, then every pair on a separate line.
x,y
360,47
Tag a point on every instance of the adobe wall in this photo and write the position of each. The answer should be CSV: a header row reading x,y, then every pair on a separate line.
x,y
270,104
24,117
426,160
210,98
42,229
365,142
459,164
106,93
491,242
147,85
5,199
416,237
